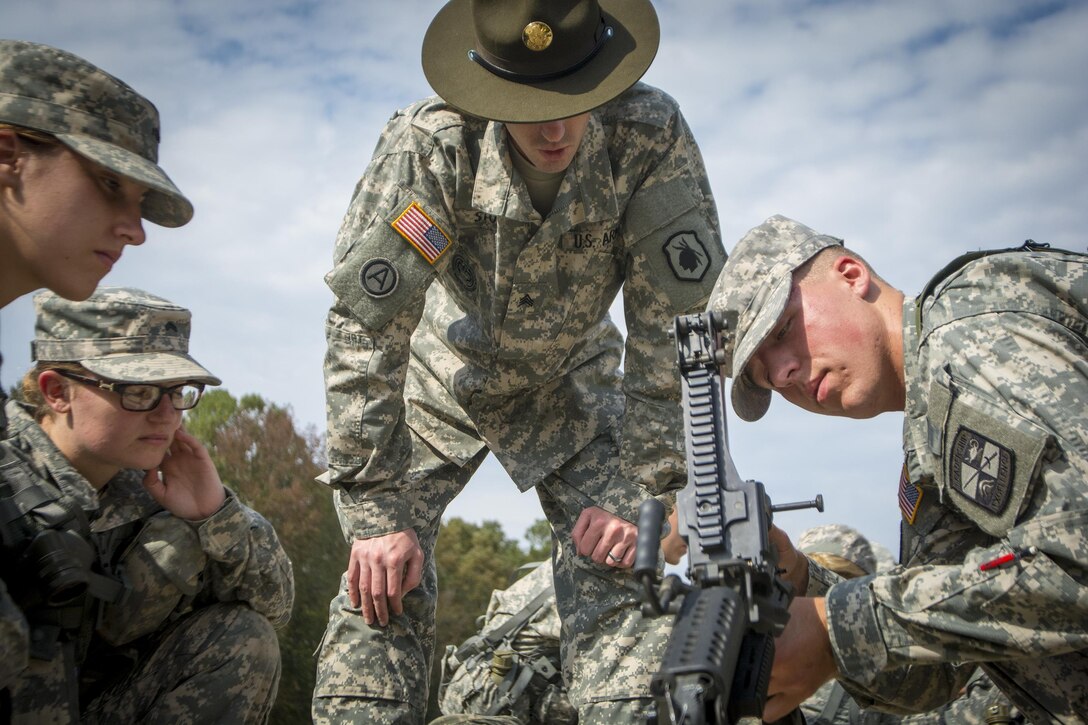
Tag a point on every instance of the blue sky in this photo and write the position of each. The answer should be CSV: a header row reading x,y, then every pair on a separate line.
x,y
914,129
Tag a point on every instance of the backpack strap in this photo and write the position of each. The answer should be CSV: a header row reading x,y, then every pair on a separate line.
x,y
1029,245
504,631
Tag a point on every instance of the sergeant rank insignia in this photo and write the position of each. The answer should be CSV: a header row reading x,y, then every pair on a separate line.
x,y
421,232
981,470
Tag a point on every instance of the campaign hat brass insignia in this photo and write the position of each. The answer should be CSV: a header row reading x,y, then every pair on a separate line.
x,y
536,35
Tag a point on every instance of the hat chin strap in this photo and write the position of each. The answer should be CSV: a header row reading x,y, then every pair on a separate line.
x,y
510,75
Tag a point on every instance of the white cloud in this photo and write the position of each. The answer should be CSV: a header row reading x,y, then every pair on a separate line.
x,y
916,129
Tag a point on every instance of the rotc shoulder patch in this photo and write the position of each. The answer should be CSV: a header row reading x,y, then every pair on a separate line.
x,y
421,232
981,470
990,455
688,258
910,497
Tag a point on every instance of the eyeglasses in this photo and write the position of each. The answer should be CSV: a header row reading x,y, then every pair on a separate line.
x,y
141,397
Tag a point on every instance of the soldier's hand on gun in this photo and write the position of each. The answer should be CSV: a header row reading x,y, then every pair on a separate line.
x,y
186,483
803,659
792,564
381,570
605,538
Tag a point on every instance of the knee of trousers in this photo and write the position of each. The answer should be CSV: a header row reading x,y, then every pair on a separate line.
x,y
256,643
357,662
243,639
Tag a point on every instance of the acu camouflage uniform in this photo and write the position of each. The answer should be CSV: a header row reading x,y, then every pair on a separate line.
x,y
14,632
831,705
178,620
996,443
103,119
189,639
486,327
510,670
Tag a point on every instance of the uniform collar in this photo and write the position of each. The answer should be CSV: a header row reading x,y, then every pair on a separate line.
x,y
45,455
915,407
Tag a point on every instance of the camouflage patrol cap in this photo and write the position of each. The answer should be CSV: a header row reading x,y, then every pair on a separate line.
x,y
94,114
754,288
120,333
840,540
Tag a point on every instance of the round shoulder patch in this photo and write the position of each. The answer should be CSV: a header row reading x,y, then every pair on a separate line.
x,y
378,277
688,258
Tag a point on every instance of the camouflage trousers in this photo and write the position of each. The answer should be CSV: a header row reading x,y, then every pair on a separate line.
x,y
380,675
219,664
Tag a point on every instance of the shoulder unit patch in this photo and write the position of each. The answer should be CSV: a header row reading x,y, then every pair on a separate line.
x,y
981,470
688,258
421,232
378,277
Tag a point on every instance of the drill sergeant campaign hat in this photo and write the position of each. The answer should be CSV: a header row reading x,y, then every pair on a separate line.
x,y
122,334
529,61
753,288
94,114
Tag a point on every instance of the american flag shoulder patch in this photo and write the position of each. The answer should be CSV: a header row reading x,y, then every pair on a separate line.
x,y
421,232
910,497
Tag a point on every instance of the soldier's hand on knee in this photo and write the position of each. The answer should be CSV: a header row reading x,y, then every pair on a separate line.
x,y
605,538
381,571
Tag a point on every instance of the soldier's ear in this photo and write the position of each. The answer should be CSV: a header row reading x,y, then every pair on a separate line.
x,y
854,273
55,391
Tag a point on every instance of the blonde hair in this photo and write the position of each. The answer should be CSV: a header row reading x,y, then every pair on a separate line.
x,y
32,394
838,564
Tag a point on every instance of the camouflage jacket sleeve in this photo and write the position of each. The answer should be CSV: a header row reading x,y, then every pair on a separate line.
x,y
246,561
380,283
674,256
1006,464
902,691
14,639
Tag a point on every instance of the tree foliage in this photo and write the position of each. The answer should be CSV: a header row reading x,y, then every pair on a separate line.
x,y
270,465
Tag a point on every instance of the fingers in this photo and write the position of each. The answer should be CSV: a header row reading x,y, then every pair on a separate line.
x,y
581,527
793,563
605,538
381,571
620,558
153,483
413,575
379,577
353,583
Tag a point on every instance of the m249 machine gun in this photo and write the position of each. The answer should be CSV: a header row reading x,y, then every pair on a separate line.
x,y
718,661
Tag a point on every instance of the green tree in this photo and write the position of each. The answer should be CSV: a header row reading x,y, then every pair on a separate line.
x,y
270,464
539,536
